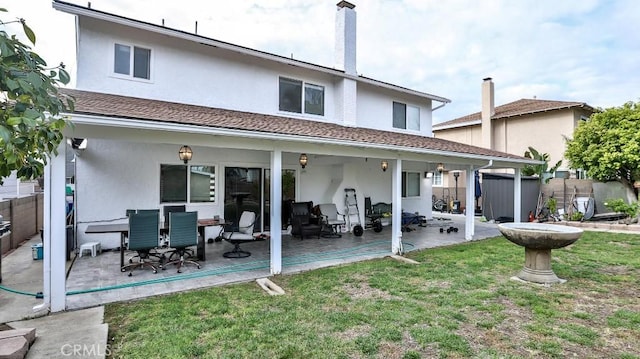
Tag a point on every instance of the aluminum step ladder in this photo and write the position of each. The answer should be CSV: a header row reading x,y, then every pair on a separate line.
x,y
352,212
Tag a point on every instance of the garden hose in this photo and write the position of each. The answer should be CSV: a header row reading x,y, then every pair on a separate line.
x,y
257,265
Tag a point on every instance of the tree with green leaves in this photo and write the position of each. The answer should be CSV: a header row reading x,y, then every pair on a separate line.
x,y
541,169
607,146
30,105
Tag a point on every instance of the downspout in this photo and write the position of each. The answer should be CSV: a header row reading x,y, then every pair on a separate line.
x,y
469,227
483,167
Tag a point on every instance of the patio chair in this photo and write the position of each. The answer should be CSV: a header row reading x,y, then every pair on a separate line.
x,y
242,234
168,209
165,233
154,252
144,230
331,218
302,222
183,233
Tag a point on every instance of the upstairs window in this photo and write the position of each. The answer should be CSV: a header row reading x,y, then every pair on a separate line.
x,y
132,61
406,117
301,97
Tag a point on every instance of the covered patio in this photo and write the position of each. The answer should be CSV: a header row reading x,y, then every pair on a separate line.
x,y
97,280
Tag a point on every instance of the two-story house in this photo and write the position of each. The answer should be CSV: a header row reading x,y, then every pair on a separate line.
x,y
146,92
513,128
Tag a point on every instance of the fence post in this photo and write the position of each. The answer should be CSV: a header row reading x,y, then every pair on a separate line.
x,y
12,216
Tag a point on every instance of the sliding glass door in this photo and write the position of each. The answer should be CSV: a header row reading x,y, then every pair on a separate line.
x,y
248,189
242,192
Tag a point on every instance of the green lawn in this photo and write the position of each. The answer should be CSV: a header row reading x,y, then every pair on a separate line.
x,y
458,302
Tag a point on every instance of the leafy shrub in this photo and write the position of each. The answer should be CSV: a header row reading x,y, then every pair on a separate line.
x,y
619,205
576,216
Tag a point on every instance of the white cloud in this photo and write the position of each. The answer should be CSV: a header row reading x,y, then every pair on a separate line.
x,y
560,50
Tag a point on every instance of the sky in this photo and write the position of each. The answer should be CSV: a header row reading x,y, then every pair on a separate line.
x,y
566,50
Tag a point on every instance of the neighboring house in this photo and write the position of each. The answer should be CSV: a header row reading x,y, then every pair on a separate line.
x,y
145,91
516,126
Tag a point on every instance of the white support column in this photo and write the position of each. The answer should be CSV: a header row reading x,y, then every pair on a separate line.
x,y
469,224
55,233
275,211
517,195
396,206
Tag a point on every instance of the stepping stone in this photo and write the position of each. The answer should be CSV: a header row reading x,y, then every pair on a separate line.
x,y
28,333
13,348
269,286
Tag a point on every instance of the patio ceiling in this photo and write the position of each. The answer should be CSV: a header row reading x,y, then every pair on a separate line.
x,y
112,110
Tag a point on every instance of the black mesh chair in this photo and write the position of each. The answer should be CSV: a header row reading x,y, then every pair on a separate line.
x,y
168,209
303,224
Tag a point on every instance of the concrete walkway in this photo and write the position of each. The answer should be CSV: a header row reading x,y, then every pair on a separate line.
x,y
75,334
20,272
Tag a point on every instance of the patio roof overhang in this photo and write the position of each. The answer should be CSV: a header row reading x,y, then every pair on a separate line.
x,y
100,115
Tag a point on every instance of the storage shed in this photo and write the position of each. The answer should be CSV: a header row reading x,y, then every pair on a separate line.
x,y
497,193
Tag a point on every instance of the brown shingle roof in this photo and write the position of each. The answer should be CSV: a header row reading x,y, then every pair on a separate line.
x,y
516,108
115,106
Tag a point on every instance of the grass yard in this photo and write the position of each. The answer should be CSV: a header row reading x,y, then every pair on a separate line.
x,y
459,302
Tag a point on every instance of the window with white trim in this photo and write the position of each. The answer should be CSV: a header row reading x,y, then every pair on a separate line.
x,y
437,178
301,97
132,61
193,182
406,117
410,184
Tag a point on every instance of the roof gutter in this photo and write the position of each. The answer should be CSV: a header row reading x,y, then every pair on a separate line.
x,y
439,127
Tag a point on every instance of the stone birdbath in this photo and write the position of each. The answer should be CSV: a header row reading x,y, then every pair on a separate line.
x,y
538,239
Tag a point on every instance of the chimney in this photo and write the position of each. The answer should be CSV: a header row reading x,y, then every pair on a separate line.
x,y
488,110
346,38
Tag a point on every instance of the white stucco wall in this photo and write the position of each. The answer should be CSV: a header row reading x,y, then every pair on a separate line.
x,y
112,176
375,109
183,71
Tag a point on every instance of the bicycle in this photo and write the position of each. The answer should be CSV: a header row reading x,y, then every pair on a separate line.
x,y
438,204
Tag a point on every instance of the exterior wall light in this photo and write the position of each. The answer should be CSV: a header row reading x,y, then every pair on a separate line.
x,y
384,165
440,167
303,160
185,153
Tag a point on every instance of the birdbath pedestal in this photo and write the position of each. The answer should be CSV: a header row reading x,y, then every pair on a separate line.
x,y
538,239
